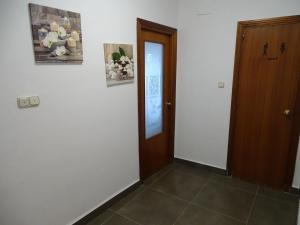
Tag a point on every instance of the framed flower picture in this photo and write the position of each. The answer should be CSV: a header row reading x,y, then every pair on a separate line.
x,y
119,64
56,35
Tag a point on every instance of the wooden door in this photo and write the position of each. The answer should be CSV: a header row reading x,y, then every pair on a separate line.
x,y
265,105
156,94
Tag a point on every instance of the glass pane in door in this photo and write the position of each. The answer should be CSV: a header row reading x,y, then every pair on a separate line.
x,y
153,88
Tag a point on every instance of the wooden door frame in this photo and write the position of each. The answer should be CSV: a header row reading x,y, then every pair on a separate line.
x,y
172,33
242,25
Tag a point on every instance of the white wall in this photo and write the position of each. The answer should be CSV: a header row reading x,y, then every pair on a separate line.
x,y
207,32
299,215
80,146
296,182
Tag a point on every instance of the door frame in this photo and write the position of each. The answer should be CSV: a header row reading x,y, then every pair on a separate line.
x,y
242,25
172,33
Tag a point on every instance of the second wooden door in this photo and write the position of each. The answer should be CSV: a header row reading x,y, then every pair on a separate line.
x,y
265,112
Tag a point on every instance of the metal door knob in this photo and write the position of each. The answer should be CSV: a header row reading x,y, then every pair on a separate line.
x,y
168,103
287,112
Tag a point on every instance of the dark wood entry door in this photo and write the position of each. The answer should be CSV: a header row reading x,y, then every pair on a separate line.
x,y
265,105
156,94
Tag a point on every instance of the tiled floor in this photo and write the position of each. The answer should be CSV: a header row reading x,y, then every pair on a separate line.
x,y
191,195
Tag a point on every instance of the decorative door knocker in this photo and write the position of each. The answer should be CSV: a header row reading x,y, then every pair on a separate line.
x,y
282,47
265,50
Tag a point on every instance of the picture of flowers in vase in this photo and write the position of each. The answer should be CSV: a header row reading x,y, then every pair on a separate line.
x,y
119,64
56,35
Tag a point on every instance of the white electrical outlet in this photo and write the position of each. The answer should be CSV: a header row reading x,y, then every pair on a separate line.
x,y
34,100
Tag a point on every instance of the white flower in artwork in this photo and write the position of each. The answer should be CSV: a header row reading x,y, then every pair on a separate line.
x,y
130,73
60,50
54,26
52,37
113,75
129,66
127,59
62,32
109,66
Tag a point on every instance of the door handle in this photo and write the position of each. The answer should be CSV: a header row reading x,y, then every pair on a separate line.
x,y
169,104
287,113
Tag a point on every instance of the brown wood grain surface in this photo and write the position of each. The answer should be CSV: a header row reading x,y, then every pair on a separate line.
x,y
158,151
263,145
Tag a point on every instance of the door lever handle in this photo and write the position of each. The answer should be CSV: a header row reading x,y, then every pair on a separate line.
x,y
168,103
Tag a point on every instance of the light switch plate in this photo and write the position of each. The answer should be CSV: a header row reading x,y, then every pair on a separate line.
x,y
23,101
28,101
221,84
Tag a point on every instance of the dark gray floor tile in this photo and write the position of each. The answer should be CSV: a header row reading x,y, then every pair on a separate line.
x,y
200,216
270,212
182,185
101,218
153,208
195,170
150,180
221,201
226,200
237,183
278,195
127,198
119,220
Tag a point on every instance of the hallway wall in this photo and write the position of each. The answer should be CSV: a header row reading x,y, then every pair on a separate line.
x,y
207,33
79,148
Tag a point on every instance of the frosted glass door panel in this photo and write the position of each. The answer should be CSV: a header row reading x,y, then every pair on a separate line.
x,y
153,88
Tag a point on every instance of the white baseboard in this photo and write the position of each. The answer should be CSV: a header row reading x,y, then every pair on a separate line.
x,y
200,162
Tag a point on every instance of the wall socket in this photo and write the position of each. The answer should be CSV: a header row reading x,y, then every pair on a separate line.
x,y
28,101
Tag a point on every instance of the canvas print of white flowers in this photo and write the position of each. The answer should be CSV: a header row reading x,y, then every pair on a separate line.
x,y
119,64
56,35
